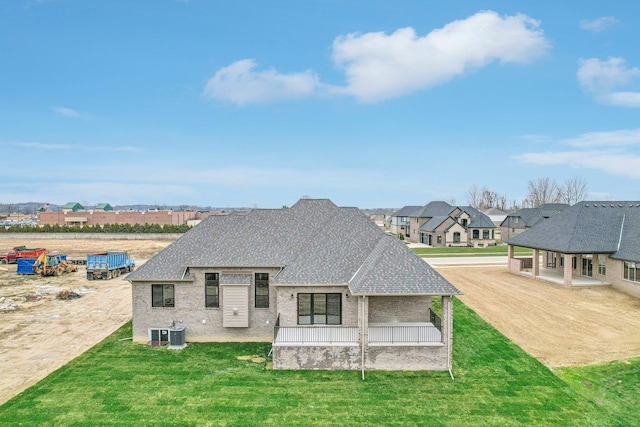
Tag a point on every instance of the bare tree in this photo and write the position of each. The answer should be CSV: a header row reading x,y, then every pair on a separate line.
x,y
514,206
483,198
574,190
474,196
541,191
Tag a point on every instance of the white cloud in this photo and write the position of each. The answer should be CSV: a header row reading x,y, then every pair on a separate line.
x,y
380,66
608,152
241,85
41,146
599,24
87,147
69,112
616,138
612,162
605,79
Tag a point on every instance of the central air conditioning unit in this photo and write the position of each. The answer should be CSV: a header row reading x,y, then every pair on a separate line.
x,y
177,338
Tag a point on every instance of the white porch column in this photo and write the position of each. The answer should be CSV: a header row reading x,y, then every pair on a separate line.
x,y
363,320
536,263
568,269
509,257
447,327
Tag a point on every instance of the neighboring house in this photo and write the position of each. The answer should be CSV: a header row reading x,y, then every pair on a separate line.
x,y
400,220
523,219
495,215
324,284
381,217
439,224
588,243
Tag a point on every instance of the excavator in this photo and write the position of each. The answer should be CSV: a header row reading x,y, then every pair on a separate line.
x,y
53,264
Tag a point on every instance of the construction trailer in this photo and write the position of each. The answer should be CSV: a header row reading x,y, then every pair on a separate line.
x,y
108,265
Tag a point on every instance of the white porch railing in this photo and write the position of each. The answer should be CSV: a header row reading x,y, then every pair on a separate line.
x,y
404,334
316,335
378,335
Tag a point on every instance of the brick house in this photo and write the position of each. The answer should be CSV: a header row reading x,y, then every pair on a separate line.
x,y
440,224
525,218
324,284
589,243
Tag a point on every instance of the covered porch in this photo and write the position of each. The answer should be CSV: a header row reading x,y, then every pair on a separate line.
x,y
409,340
382,333
558,268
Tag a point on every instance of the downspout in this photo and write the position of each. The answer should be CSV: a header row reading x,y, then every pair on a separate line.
x,y
450,335
621,230
362,335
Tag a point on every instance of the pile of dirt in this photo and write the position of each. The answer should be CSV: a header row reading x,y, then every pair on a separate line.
x,y
67,294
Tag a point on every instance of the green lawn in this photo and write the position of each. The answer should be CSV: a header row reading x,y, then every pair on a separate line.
x,y
496,384
615,387
466,251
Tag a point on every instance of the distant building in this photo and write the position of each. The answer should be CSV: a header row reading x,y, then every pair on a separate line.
x,y
103,207
75,214
495,215
72,206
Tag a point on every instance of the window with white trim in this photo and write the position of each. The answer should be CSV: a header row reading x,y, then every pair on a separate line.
x,y
602,264
631,271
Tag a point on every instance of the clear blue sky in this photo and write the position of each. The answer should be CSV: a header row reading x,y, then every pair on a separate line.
x,y
368,103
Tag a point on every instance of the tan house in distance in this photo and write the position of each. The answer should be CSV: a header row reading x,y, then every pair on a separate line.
x,y
439,224
324,284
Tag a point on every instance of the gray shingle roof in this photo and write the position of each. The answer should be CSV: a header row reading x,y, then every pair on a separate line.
x,y
532,216
435,208
478,219
433,223
393,269
589,227
407,211
314,242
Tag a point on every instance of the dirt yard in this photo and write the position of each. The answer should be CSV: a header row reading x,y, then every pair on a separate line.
x,y
39,332
558,326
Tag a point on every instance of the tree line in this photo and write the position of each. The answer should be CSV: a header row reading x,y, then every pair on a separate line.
x,y
106,228
541,191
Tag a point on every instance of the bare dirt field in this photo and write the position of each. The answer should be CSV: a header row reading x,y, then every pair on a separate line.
x,y
556,325
39,332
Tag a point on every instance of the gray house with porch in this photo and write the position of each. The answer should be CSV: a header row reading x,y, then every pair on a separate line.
x,y
322,283
589,243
